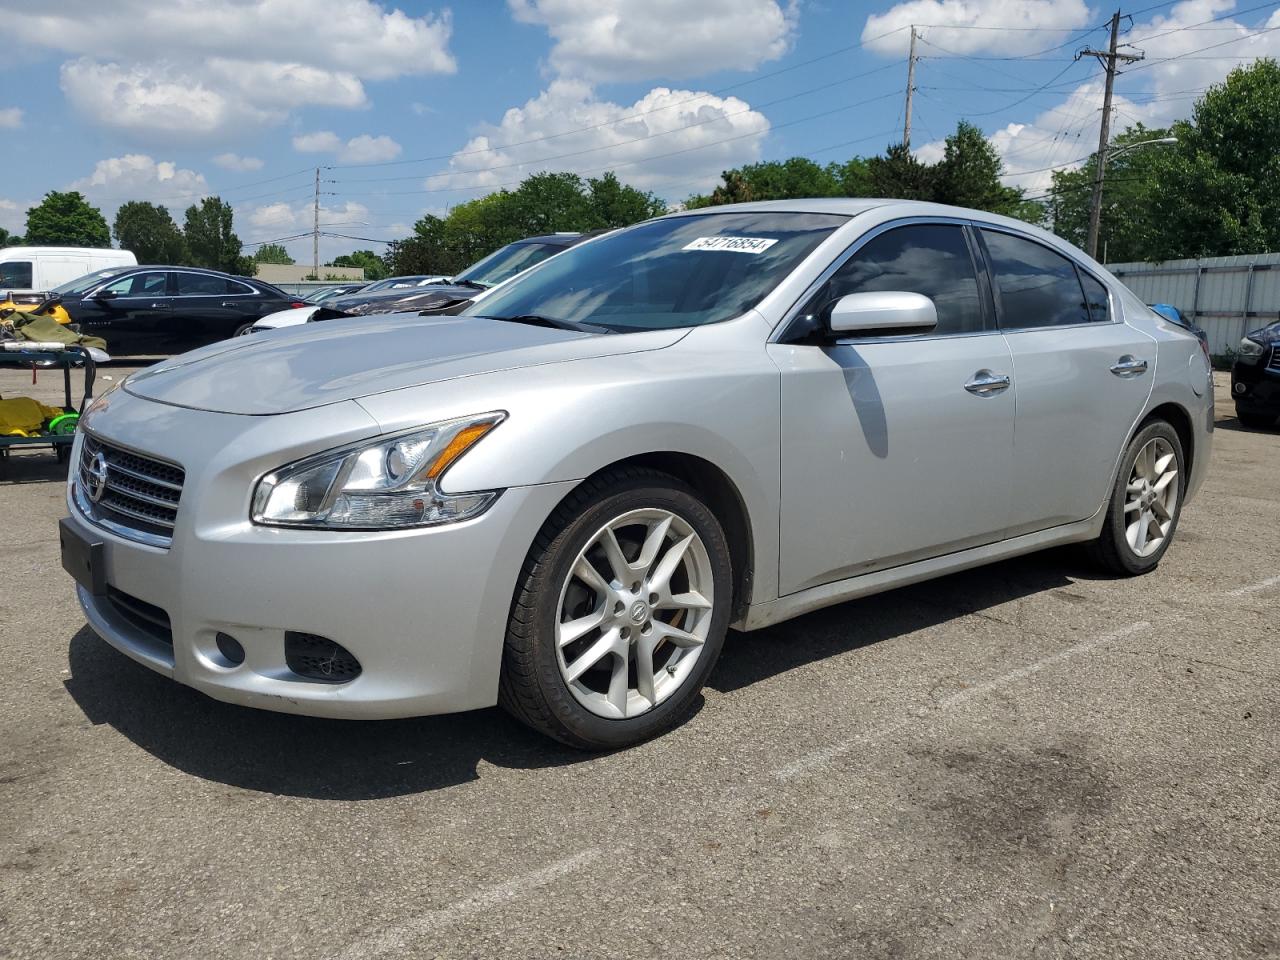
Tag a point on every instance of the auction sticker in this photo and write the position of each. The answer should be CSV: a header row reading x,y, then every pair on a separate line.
x,y
732,244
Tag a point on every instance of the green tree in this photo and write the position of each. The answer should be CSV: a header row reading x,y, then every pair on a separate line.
x,y
211,238
1216,192
969,174
148,230
900,175
615,204
774,180
8,239
66,219
366,260
1129,228
272,253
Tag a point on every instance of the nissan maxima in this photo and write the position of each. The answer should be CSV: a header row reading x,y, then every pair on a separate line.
x,y
562,499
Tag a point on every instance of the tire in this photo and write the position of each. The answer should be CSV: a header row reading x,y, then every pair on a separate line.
x,y
243,329
1114,550
538,685
1255,421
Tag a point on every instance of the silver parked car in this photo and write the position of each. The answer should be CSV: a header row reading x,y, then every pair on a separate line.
x,y
562,501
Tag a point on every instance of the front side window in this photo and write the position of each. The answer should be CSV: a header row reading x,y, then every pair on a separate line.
x,y
927,258
16,273
506,262
149,284
1038,287
675,272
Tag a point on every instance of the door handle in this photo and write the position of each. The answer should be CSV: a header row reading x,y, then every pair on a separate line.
x,y
1129,366
156,306
229,303
987,384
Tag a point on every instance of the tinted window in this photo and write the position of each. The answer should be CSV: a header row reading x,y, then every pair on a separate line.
x,y
149,284
1096,300
89,280
507,262
1038,287
932,259
16,273
202,284
674,272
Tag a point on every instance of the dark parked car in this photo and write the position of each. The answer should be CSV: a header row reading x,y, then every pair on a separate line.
x,y
1255,377
321,294
450,296
160,310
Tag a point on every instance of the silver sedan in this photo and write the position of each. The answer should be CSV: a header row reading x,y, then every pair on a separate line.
x,y
562,501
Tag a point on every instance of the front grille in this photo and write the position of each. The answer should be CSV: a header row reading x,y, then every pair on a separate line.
x,y
1274,362
139,494
146,617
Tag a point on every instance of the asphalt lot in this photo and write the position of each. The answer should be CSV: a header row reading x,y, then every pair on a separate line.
x,y
1027,760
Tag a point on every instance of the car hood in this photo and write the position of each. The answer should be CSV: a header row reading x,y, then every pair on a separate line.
x,y
1267,335
297,368
430,296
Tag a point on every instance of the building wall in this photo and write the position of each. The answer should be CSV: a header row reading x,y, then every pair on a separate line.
x,y
1228,296
295,272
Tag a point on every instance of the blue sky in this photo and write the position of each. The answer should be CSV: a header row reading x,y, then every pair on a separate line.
x,y
413,108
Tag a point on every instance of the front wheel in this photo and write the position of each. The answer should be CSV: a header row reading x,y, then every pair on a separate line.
x,y
620,613
1143,512
243,330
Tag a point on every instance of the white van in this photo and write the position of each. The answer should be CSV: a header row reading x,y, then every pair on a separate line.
x,y
24,269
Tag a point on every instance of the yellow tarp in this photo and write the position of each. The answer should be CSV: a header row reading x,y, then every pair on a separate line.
x,y
23,417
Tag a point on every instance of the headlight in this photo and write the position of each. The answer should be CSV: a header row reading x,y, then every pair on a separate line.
x,y
382,484
1250,350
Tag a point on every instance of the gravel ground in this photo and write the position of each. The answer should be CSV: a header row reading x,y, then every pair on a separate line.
x,y
1027,760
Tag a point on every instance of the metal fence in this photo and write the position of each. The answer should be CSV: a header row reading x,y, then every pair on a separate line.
x,y
1228,296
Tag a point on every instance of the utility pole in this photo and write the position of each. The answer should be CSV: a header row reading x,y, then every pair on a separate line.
x,y
911,86
315,230
1108,61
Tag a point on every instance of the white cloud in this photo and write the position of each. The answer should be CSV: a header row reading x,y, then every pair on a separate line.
x,y
274,215
322,141
137,176
1154,93
1009,26
13,215
367,149
237,163
201,68
362,149
705,133
610,40
10,118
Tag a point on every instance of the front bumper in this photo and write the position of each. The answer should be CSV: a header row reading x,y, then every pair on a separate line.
x,y
423,610
1255,387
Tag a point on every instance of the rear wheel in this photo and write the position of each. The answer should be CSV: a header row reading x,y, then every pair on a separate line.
x,y
620,614
243,330
1142,515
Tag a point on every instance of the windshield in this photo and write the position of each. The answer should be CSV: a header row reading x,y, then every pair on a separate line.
x,y
506,262
677,272
89,280
397,283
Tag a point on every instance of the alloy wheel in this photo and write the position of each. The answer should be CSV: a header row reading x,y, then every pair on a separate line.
x,y
1151,498
634,613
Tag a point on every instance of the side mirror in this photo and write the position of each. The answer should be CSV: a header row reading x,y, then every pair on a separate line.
x,y
883,310
105,294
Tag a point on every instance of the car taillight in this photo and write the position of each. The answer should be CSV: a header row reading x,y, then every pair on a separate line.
x,y
297,304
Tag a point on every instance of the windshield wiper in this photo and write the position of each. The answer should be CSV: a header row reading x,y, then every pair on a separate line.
x,y
538,320
474,284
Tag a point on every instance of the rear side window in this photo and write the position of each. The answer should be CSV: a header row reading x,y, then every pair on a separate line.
x,y
1095,298
202,284
15,273
932,259
1038,287
150,284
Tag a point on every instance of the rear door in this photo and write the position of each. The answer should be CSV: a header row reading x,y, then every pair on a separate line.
x,y
210,307
1081,378
895,448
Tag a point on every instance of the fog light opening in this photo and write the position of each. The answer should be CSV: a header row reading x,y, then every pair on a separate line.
x,y
319,659
230,649
1240,388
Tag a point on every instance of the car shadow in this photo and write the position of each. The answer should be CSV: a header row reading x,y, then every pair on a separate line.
x,y
34,466
1234,424
291,755
751,657
361,760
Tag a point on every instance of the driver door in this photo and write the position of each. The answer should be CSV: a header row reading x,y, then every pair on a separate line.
x,y
895,448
